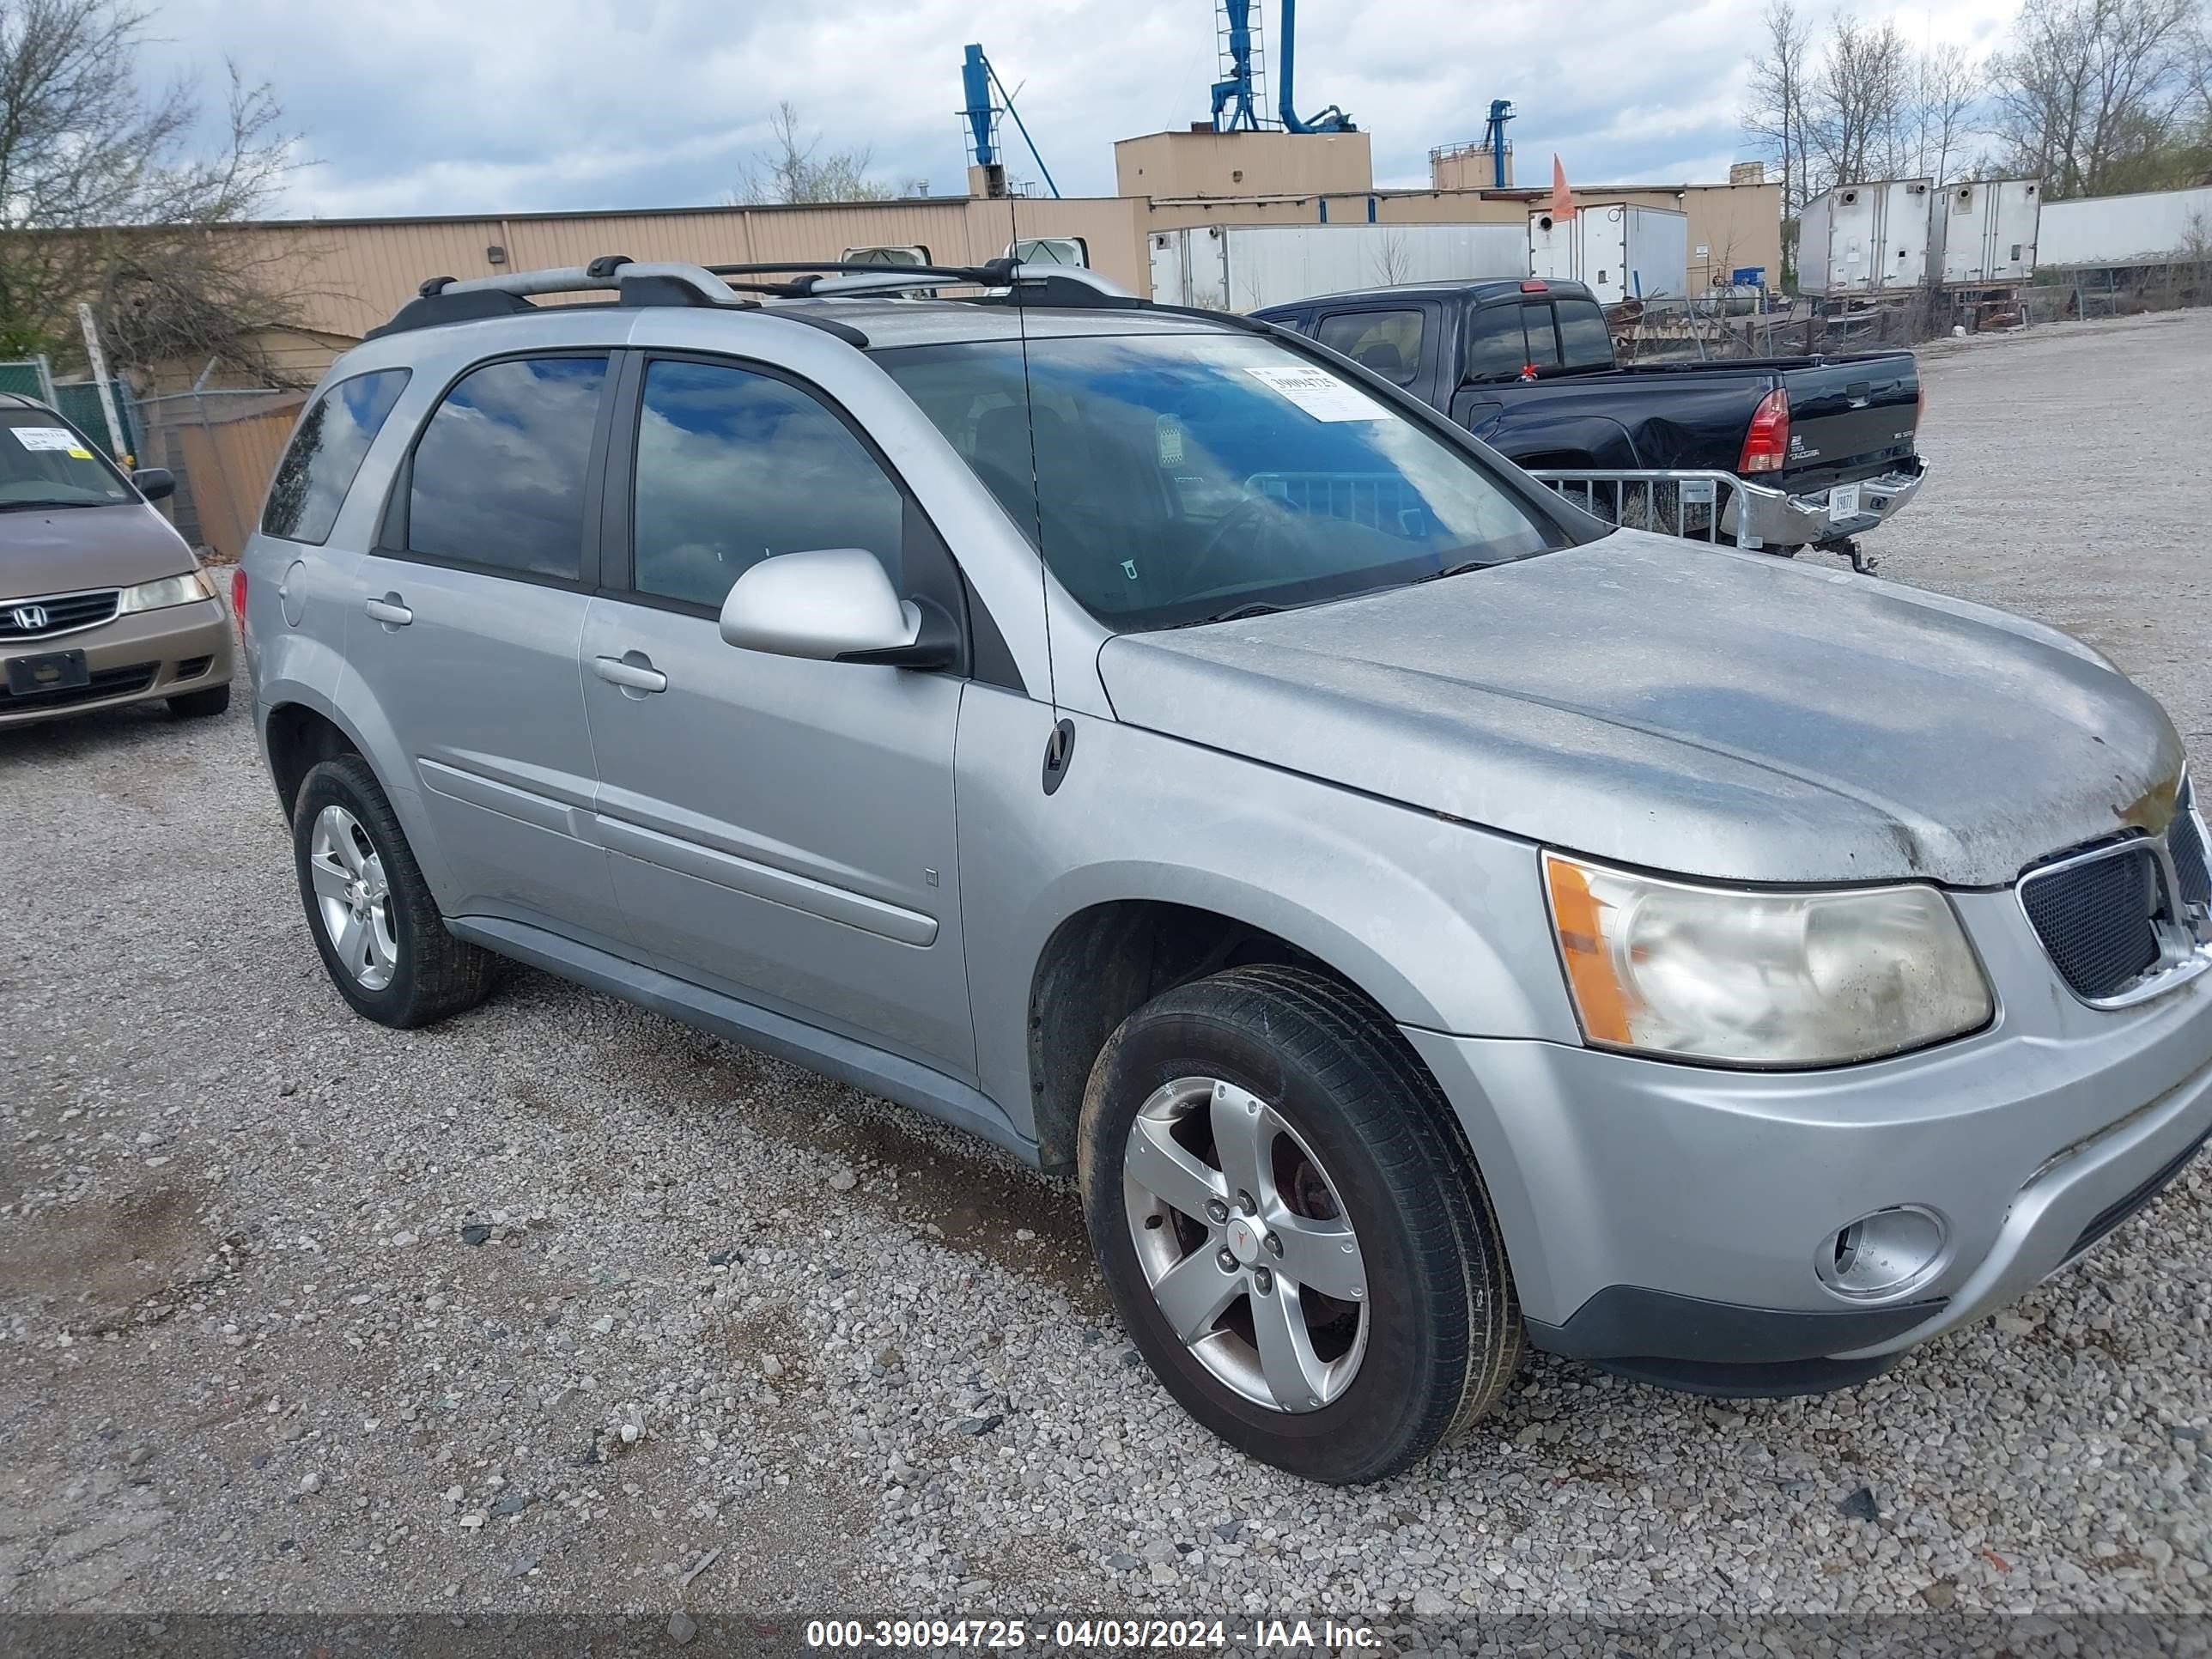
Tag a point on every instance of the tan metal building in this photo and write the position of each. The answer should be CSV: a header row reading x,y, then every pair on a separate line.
x,y
350,275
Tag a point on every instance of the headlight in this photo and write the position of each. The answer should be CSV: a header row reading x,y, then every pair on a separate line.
x,y
170,590
1749,978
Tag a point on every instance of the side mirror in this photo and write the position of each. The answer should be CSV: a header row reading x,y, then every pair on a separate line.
x,y
835,605
155,482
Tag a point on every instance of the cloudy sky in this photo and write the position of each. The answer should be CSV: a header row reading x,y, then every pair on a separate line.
x,y
486,106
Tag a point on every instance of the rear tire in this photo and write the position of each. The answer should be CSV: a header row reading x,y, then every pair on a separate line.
x,y
373,917
200,705
1400,1336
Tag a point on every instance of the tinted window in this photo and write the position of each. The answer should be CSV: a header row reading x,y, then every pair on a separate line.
x,y
499,469
45,462
319,466
735,467
1584,340
1173,477
1387,342
1497,348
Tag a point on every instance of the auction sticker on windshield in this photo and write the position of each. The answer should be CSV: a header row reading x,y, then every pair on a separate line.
x,y
51,437
1320,394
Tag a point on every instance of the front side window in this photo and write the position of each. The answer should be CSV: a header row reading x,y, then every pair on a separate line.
x,y
1173,478
325,453
734,467
500,470
1387,342
44,463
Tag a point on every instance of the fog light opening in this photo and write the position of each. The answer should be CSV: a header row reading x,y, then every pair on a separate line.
x,y
1886,1253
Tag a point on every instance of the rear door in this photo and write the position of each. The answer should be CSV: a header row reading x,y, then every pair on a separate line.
x,y
782,828
471,612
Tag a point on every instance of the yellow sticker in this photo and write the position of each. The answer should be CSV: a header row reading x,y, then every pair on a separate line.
x,y
81,454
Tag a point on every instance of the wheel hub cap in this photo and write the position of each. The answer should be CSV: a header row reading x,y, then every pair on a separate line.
x,y
1244,1244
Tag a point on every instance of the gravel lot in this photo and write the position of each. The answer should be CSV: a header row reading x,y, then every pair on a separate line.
x,y
563,1306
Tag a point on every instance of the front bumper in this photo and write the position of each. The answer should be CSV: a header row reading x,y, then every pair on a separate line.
x,y
1778,519
141,658
1655,1212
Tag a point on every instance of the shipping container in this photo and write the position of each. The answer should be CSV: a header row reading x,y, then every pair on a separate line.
x,y
1244,267
1865,239
1983,232
1621,251
2153,227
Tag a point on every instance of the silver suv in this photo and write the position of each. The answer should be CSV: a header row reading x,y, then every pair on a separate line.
x,y
1427,919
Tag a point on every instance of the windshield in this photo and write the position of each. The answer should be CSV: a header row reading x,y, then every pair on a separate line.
x,y
1179,477
45,463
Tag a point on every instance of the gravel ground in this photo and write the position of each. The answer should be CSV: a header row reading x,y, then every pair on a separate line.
x,y
563,1306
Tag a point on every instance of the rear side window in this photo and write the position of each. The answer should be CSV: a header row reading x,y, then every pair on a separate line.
x,y
500,470
319,466
1387,342
734,467
1584,340
1497,346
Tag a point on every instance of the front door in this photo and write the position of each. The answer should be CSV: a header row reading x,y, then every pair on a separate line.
x,y
781,829
465,633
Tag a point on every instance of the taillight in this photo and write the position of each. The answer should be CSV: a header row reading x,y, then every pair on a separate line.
x,y
238,595
1766,445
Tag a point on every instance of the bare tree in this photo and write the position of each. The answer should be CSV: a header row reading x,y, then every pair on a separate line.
x,y
1946,85
1858,102
793,170
102,198
2092,94
1774,111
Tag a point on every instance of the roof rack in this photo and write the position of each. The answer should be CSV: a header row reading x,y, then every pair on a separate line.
x,y
449,299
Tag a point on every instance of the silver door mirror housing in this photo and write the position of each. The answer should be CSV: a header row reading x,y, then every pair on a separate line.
x,y
824,603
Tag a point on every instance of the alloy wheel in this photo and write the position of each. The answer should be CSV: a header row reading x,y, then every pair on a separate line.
x,y
352,897
1245,1244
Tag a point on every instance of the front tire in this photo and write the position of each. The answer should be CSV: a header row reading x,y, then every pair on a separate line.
x,y
1290,1228
374,921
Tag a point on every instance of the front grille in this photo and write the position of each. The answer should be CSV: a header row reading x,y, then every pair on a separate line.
x,y
2186,841
2113,1214
63,615
104,683
2098,919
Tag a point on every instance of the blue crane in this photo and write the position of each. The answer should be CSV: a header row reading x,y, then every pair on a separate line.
x,y
978,80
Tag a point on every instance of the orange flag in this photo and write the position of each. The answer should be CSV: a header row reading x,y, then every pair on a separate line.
x,y
1563,199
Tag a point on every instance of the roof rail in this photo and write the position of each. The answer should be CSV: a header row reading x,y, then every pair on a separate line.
x,y
448,300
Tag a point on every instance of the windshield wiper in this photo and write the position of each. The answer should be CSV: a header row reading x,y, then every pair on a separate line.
x,y
1459,569
10,507
1257,608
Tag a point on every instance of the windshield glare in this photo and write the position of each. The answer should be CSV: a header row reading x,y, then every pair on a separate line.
x,y
1182,477
42,462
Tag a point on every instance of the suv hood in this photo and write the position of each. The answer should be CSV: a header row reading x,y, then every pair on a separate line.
x,y
1708,712
66,548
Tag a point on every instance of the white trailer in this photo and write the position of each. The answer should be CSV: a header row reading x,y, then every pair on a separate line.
x,y
1982,234
2153,227
1244,267
1865,239
1619,250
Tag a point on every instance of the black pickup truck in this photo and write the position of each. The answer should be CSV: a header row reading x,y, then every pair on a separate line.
x,y
1818,450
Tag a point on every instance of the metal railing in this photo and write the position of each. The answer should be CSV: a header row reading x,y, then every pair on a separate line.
x,y
1691,504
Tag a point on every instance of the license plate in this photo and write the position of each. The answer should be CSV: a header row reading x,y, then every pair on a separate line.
x,y
57,671
1843,502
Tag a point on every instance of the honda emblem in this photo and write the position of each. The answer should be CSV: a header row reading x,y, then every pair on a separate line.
x,y
29,618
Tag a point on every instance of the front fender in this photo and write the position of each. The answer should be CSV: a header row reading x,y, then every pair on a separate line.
x,y
1442,924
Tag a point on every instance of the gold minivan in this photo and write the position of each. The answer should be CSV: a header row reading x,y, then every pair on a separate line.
x,y
102,604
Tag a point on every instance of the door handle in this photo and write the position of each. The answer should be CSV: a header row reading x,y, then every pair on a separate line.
x,y
390,611
639,676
